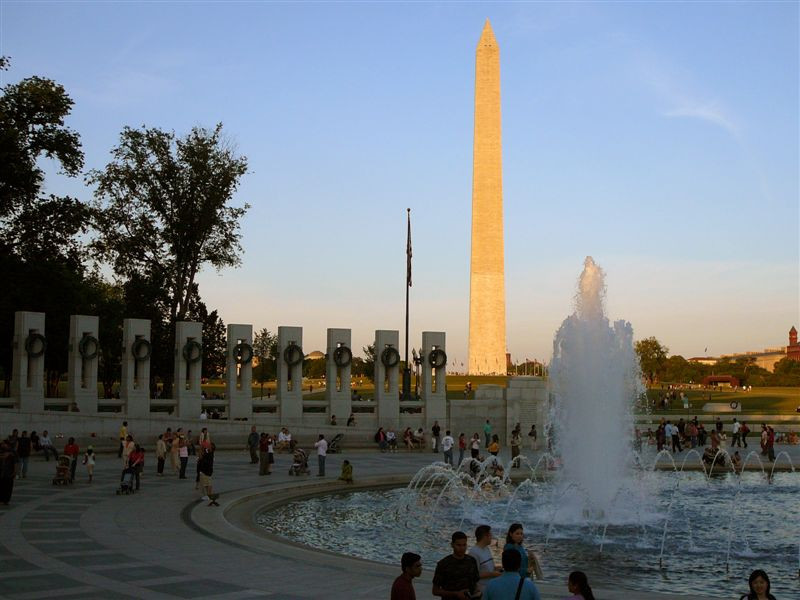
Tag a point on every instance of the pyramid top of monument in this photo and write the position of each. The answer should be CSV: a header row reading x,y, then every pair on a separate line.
x,y
487,36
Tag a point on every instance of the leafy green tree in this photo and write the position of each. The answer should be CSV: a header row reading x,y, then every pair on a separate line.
x,y
32,114
41,250
265,349
652,358
162,212
162,209
369,362
215,344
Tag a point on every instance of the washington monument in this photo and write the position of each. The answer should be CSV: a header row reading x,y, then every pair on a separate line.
x,y
487,294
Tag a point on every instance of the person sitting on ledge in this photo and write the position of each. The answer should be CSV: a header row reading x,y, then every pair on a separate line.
x,y
333,420
347,472
351,420
419,438
285,440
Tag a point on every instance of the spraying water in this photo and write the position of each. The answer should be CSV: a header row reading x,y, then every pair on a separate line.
x,y
595,379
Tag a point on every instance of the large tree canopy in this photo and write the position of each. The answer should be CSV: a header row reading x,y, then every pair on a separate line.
x,y
162,208
41,253
32,114
652,357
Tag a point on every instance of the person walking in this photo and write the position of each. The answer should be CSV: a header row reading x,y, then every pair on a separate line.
x,y
263,444
516,442
456,575
8,468
744,431
494,447
482,554
128,446
252,445
72,450
735,438
183,455
510,585
487,432
771,444
205,467
514,539
475,446
764,436
447,448
270,453
89,460
322,451
578,586
462,448
136,462
436,430
161,454
532,435
123,435
403,586
24,453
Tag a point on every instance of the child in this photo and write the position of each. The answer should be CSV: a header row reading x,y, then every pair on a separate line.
x,y
347,472
88,460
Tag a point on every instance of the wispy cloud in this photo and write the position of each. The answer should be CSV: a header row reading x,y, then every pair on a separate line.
x,y
705,112
682,100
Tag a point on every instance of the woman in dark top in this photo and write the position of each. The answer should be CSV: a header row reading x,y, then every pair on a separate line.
x,y
759,587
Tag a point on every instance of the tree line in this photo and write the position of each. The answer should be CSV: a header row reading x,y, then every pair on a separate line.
x,y
658,366
158,213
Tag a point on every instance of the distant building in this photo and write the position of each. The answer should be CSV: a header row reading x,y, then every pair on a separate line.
x,y
793,349
721,381
315,355
766,358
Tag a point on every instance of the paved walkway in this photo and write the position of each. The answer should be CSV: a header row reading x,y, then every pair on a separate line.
x,y
83,541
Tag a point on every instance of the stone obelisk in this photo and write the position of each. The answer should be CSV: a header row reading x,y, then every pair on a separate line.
x,y
487,295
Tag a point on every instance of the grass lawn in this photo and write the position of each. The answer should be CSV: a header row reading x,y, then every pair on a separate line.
x,y
768,400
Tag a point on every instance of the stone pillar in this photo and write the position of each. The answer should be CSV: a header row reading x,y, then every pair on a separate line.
x,y
290,376
188,368
339,398
387,369
135,384
434,377
27,371
84,352
239,372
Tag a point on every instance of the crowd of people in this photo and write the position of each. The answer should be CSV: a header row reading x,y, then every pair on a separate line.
x,y
469,574
465,573
693,434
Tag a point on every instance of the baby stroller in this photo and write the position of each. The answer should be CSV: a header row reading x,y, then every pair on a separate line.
x,y
126,485
63,475
300,463
335,447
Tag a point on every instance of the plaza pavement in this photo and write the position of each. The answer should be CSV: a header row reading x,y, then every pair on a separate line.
x,y
85,542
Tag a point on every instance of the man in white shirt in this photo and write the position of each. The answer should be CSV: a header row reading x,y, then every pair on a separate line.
x,y
47,446
736,439
447,448
322,451
483,556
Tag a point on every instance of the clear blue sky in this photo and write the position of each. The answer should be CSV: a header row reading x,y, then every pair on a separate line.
x,y
660,138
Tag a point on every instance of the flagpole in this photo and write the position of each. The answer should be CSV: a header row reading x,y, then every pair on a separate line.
x,y
407,370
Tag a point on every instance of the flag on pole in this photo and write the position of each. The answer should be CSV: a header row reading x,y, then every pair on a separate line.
x,y
408,252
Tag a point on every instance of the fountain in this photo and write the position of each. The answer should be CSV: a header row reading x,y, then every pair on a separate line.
x,y
594,379
591,502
